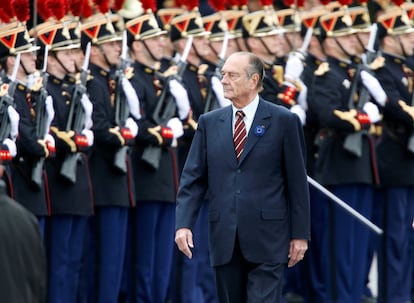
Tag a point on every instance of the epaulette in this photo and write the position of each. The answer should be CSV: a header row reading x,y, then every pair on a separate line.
x,y
322,69
202,68
277,72
378,63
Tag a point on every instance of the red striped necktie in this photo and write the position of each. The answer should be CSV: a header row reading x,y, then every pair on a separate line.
x,y
240,134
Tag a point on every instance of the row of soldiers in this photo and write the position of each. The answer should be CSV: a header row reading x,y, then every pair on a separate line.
x,y
108,107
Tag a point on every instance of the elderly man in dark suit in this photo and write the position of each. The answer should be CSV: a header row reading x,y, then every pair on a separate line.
x,y
253,168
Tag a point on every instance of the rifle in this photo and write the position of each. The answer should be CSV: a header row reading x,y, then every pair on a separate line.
x,y
8,100
121,105
166,107
40,122
76,119
210,104
353,142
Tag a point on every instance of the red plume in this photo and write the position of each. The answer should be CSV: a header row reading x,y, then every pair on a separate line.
x,y
117,5
6,11
266,2
76,7
232,3
289,3
324,2
398,2
103,5
58,8
217,5
190,4
345,2
363,1
149,4
301,3
43,9
21,9
243,3
86,9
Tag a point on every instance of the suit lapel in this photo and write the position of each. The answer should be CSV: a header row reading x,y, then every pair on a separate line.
x,y
225,137
261,119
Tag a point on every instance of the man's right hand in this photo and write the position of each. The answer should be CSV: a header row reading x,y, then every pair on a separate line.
x,y
184,241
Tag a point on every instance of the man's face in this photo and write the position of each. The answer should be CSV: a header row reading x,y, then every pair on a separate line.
x,y
236,83
67,59
79,57
231,47
200,44
407,41
28,60
156,46
348,43
362,42
112,51
276,44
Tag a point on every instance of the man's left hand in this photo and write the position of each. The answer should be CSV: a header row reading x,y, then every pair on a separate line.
x,y
297,250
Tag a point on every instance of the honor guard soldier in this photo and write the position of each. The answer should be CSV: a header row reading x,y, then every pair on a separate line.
x,y
312,269
154,162
109,165
222,43
396,155
264,37
68,172
349,170
195,274
32,148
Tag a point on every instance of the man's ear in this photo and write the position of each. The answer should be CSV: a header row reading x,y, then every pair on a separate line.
x,y
255,78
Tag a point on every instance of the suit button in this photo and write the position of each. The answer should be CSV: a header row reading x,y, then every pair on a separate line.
x,y
238,191
239,171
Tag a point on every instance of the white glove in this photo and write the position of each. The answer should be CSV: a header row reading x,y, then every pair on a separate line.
x,y
294,67
11,146
303,95
132,125
132,98
374,87
372,111
300,112
218,90
180,95
89,136
88,108
14,118
50,112
51,141
176,127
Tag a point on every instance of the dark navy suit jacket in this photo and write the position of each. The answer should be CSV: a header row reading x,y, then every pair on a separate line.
x,y
263,197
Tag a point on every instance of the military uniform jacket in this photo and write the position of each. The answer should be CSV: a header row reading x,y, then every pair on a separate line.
x,y
196,91
335,165
150,183
28,152
111,187
395,162
65,197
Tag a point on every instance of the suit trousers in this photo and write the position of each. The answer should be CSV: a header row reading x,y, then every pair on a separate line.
x,y
241,281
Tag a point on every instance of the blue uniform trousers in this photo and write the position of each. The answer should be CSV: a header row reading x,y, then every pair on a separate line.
x,y
348,244
315,258
65,247
110,234
152,244
396,256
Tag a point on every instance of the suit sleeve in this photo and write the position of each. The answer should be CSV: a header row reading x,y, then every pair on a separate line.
x,y
193,182
296,180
